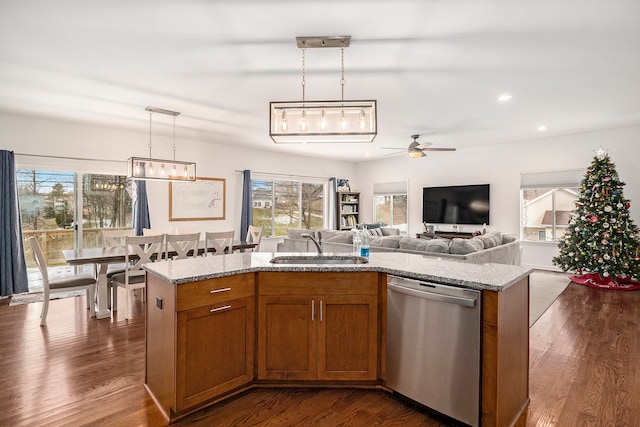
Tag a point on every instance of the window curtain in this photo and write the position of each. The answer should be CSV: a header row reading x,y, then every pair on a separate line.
x,y
141,208
246,218
13,266
333,199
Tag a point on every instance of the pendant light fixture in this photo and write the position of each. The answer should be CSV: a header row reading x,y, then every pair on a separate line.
x,y
323,121
158,169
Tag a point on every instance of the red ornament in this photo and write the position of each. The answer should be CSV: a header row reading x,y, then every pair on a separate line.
x,y
606,178
595,256
593,219
627,205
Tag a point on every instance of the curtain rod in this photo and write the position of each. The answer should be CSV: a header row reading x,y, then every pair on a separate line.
x,y
284,174
68,158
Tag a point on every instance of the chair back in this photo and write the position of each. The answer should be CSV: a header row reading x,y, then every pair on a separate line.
x,y
114,238
179,245
141,250
156,231
220,241
254,235
41,263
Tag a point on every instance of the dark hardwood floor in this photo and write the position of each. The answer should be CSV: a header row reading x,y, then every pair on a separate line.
x,y
585,370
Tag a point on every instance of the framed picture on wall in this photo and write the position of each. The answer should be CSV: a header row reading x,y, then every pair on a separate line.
x,y
198,200
342,185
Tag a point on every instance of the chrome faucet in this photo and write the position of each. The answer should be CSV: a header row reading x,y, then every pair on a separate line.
x,y
315,242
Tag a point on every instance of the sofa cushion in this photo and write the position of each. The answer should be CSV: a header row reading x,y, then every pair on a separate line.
x,y
385,242
335,236
465,246
440,246
413,243
390,231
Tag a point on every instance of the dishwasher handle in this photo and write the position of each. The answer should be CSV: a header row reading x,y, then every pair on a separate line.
x,y
467,302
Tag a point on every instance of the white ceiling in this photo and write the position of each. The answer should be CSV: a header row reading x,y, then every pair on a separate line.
x,y
435,67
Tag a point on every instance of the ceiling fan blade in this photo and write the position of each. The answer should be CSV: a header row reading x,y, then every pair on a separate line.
x,y
438,149
393,148
424,145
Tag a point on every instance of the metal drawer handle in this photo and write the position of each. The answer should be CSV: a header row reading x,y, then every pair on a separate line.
x,y
215,291
224,307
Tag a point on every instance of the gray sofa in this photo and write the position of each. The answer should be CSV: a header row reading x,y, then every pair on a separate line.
x,y
493,247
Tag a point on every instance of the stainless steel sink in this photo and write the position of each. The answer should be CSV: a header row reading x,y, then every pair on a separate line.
x,y
328,259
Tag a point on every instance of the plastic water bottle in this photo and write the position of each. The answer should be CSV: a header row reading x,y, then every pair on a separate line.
x,y
357,243
364,244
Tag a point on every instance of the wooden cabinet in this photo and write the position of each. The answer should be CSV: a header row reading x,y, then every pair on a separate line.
x,y
215,350
200,340
348,210
318,326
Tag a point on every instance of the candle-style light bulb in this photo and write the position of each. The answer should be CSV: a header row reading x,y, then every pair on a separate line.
x,y
150,168
303,121
343,121
162,169
283,123
362,120
323,121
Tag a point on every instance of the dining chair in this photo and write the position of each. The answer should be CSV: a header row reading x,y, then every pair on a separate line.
x,y
178,246
114,239
83,281
220,241
254,235
139,251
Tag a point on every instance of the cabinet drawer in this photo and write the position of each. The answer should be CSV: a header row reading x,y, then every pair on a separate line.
x,y
213,291
321,283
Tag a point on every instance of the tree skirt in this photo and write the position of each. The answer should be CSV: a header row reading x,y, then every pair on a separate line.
x,y
595,281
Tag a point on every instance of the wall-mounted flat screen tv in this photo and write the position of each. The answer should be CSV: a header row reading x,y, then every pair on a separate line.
x,y
460,204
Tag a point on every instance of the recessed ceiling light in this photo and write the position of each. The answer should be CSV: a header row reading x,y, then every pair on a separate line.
x,y
505,97
367,154
542,128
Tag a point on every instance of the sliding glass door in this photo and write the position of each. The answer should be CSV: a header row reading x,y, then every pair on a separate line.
x,y
52,210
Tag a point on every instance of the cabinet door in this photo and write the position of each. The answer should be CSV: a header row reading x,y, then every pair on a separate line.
x,y
215,350
347,337
287,337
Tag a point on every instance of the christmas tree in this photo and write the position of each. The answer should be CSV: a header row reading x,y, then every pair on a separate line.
x,y
601,241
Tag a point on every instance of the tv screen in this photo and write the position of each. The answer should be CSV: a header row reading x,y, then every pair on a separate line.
x,y
461,204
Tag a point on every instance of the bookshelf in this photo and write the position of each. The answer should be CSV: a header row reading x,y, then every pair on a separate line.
x,y
348,209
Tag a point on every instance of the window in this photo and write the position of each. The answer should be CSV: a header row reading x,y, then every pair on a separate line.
x,y
390,205
547,200
546,212
282,204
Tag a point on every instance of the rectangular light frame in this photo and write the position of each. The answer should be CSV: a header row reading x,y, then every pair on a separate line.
x,y
137,169
360,116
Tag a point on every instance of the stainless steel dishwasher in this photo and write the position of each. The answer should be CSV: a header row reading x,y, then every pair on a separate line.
x,y
433,346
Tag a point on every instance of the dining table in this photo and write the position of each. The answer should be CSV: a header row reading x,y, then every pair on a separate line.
x,y
102,257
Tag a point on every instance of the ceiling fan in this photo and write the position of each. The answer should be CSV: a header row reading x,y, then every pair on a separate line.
x,y
417,149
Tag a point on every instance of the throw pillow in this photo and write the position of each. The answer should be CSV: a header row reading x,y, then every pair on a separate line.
x,y
508,238
465,246
375,231
390,231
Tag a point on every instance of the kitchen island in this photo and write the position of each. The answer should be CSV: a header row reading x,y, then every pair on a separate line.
x,y
217,326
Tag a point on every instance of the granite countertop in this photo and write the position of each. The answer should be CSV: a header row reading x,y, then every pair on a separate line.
x,y
494,277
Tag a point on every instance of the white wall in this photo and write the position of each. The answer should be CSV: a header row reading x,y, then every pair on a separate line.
x,y
501,165
112,148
